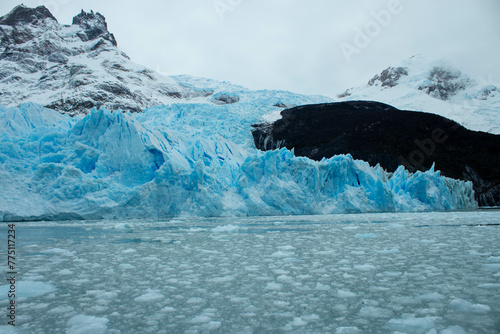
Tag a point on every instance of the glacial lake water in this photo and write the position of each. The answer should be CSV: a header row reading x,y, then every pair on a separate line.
x,y
361,273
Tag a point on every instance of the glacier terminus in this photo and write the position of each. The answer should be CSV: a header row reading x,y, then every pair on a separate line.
x,y
192,159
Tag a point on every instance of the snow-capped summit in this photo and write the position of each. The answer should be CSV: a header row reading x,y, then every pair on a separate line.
x,y
72,68
25,15
431,85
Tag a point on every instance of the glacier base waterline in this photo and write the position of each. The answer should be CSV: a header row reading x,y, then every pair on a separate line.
x,y
356,273
193,159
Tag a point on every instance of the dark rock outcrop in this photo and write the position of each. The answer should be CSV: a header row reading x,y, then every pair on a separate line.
x,y
346,93
226,99
389,77
443,83
381,134
94,26
283,105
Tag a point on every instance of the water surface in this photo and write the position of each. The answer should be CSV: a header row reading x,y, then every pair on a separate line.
x,y
365,273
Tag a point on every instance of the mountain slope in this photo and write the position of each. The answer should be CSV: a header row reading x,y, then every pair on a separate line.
x,y
72,68
434,86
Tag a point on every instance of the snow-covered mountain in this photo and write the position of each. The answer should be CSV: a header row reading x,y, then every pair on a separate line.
x,y
423,84
73,68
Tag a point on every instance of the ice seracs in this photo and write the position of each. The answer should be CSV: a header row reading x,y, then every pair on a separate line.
x,y
121,165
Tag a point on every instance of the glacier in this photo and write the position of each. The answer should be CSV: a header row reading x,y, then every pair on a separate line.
x,y
190,159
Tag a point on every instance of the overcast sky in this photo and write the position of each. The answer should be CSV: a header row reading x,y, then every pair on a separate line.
x,y
305,46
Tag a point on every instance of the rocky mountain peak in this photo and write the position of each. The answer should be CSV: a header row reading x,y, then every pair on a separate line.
x,y
25,15
73,68
94,26
84,18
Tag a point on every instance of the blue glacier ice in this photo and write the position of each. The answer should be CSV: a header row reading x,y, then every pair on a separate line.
x,y
194,158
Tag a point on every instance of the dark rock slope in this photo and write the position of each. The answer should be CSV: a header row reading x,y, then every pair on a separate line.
x,y
381,134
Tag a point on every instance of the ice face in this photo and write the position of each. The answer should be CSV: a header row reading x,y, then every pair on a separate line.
x,y
196,159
